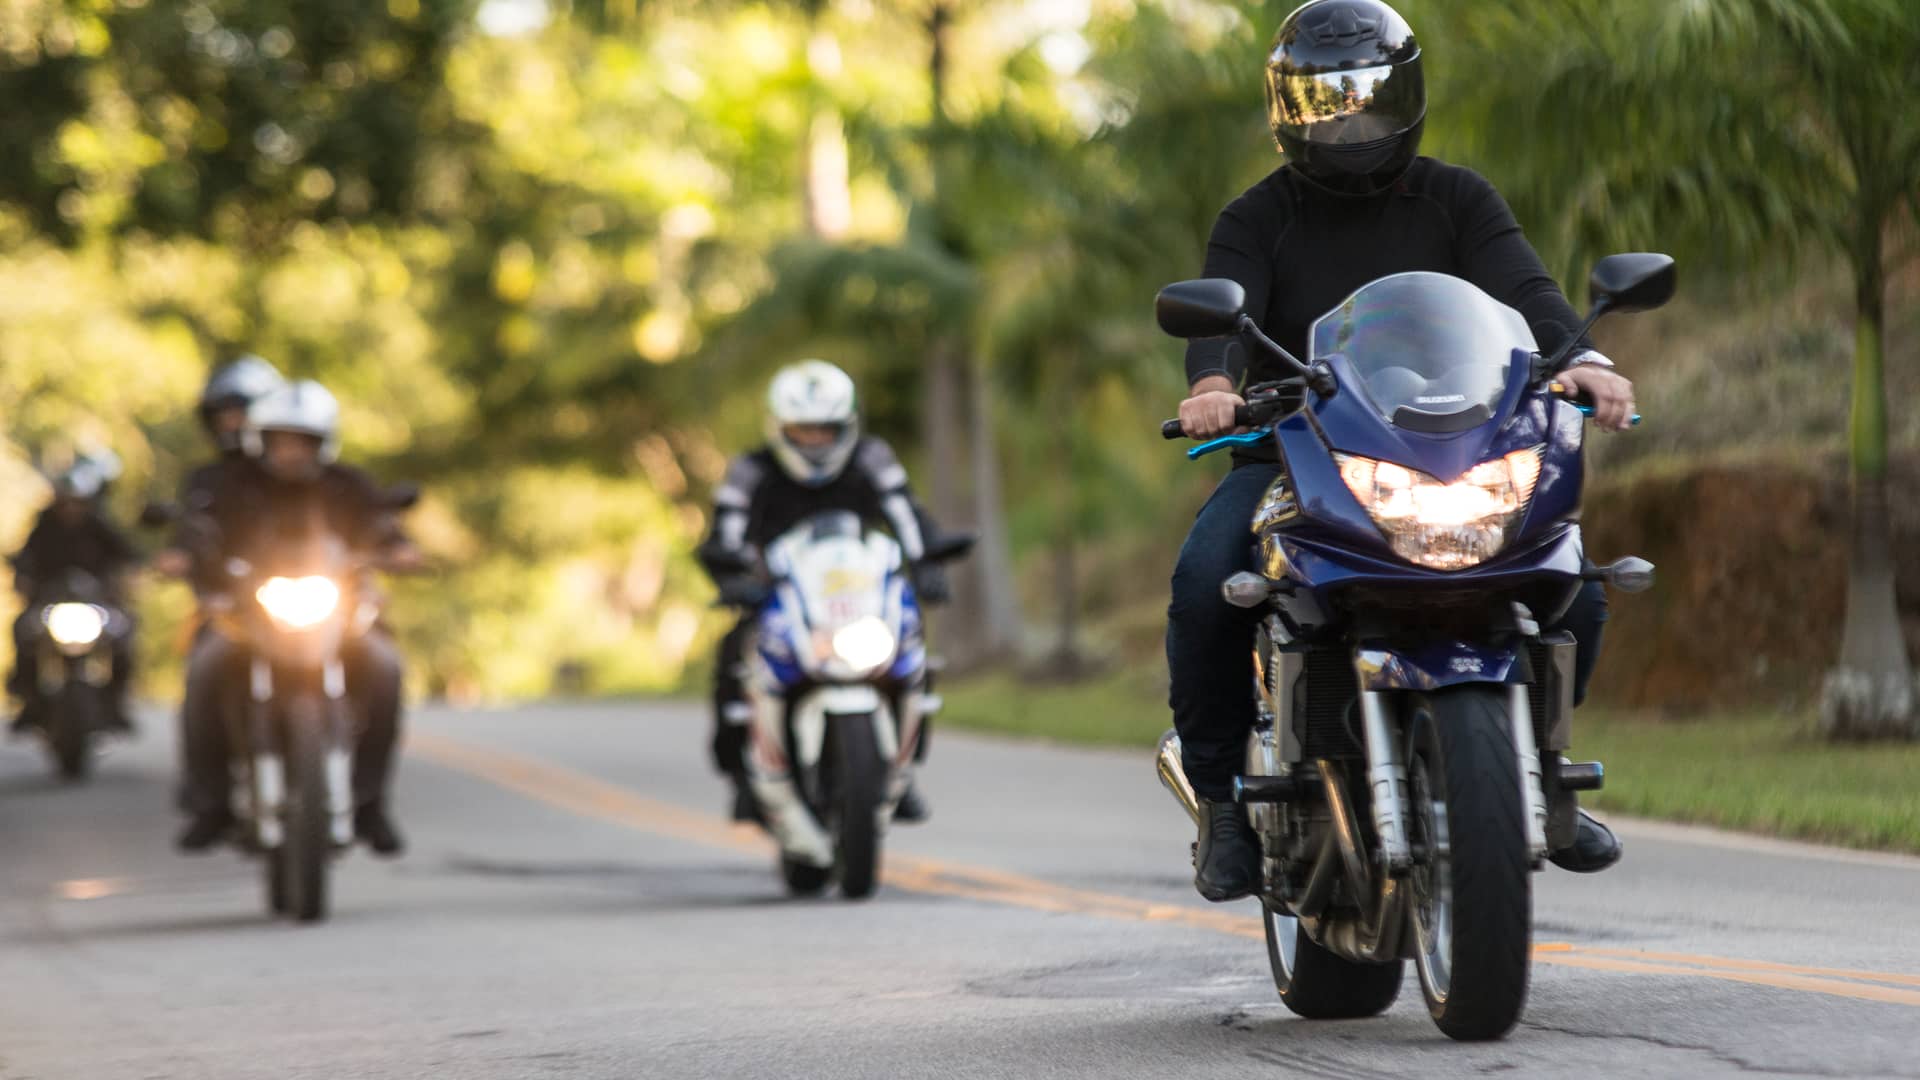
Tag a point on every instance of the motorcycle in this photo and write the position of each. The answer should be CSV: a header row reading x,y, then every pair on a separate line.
x,y
291,744
839,694
78,630
1404,772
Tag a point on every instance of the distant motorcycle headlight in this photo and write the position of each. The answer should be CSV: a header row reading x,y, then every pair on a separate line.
x,y
74,625
864,644
299,603
1444,526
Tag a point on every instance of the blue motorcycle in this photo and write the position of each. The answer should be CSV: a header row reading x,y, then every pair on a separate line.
x,y
1404,772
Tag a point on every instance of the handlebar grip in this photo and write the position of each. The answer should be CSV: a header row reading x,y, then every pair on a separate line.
x,y
1245,415
1171,429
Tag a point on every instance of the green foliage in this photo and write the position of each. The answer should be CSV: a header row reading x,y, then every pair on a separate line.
x,y
547,272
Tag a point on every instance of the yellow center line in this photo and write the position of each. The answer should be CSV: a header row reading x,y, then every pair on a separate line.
x,y
591,797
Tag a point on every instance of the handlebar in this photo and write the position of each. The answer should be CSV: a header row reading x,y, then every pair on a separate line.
x,y
1581,402
1243,416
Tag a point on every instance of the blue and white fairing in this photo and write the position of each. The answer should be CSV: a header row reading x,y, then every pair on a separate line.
x,y
1440,480
842,611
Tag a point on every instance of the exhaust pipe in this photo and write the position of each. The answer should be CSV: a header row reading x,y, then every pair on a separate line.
x,y
1174,776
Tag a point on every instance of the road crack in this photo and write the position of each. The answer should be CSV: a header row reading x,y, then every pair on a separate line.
x,y
1742,1064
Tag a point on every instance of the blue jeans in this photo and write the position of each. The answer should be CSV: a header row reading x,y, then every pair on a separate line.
x,y
1210,642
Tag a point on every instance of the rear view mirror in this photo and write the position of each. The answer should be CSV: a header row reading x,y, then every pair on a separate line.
x,y
1202,308
1638,281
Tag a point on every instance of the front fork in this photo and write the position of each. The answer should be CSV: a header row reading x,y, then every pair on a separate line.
x,y
268,789
772,768
1387,777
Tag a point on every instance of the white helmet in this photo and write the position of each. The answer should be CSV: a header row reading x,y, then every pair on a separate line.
x,y
812,393
305,408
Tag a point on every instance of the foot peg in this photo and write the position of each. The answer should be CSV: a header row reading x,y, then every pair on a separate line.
x,y
1273,789
1582,775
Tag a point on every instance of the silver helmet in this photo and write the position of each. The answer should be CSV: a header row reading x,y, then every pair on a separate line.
x,y
236,384
303,408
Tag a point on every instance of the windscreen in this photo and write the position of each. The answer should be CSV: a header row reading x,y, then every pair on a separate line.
x,y
1432,350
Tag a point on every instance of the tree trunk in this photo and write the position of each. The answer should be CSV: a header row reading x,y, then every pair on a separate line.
x,y
829,201
1871,693
993,557
1067,663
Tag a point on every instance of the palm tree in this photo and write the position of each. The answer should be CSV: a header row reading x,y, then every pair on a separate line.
x,y
1746,133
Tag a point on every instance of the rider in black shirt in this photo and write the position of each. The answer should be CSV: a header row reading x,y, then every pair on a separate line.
x,y
72,534
815,460
1352,203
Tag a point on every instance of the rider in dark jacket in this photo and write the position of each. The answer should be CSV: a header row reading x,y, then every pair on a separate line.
x,y
815,460
71,534
1352,203
288,484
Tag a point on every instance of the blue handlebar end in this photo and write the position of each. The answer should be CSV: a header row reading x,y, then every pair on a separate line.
x,y
1248,438
1587,410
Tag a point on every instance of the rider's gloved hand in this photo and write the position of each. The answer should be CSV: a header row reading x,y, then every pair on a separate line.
x,y
1208,411
742,591
930,582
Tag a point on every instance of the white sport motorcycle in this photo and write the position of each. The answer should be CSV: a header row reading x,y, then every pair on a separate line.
x,y
839,697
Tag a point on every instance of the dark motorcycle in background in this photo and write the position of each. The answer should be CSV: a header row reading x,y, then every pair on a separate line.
x,y
291,739
1404,773
76,629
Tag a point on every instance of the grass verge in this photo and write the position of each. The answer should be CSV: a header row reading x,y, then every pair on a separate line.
x,y
1759,773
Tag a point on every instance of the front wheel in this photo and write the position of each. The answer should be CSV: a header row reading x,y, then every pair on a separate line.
x,y
1318,985
859,788
306,850
1473,905
71,721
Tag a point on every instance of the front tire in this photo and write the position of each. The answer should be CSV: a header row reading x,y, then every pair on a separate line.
x,y
73,718
1318,985
307,849
860,778
1473,904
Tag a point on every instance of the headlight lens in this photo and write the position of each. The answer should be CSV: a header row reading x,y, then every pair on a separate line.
x,y
1444,526
75,624
864,644
299,603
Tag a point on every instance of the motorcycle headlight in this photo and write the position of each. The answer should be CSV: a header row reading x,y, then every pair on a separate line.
x,y
864,644
1444,526
299,603
74,625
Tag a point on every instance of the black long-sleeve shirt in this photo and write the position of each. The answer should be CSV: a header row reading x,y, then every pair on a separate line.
x,y
1299,251
254,513
758,501
93,546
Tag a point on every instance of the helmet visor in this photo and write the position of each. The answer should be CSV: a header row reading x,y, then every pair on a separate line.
x,y
1346,108
818,444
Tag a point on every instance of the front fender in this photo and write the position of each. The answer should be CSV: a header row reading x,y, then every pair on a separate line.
x,y
1432,667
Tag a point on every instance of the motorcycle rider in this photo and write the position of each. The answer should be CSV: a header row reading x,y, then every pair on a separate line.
x,y
291,441
1352,202
815,459
222,411
72,533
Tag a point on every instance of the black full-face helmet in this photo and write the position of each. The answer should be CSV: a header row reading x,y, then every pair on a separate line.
x,y
1345,95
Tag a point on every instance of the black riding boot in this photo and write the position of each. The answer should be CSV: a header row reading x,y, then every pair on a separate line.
x,y
1226,860
1594,848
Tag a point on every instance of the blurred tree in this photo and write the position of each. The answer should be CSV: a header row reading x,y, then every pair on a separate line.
x,y
227,118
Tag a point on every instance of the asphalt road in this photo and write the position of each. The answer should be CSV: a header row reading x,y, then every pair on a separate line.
x,y
573,906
